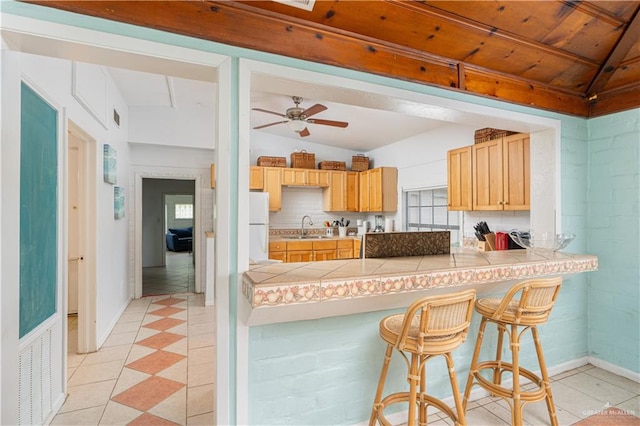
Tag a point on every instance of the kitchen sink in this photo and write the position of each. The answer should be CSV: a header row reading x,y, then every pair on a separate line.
x,y
306,237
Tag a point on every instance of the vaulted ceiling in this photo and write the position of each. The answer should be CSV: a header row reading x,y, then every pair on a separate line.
x,y
575,57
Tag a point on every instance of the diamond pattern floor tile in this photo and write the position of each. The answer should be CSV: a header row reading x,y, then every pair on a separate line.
x,y
168,301
147,419
167,312
148,393
160,340
164,324
156,362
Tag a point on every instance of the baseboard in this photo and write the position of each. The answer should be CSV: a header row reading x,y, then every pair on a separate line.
x,y
106,335
615,369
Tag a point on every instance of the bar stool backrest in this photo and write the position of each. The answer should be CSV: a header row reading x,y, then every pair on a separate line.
x,y
436,324
537,298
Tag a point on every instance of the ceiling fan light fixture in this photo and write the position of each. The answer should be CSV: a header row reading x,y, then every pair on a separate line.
x,y
297,125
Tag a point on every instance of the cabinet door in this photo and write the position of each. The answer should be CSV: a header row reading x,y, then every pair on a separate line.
x,y
256,177
459,179
487,175
334,197
278,255
300,256
515,156
345,249
321,255
273,185
294,176
352,198
364,205
375,190
318,178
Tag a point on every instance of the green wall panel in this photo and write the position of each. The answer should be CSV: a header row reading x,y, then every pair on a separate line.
x,y
38,210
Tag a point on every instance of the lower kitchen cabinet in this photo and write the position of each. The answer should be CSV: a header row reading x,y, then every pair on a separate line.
x,y
314,251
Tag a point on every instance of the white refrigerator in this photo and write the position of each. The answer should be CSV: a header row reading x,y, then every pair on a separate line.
x,y
258,226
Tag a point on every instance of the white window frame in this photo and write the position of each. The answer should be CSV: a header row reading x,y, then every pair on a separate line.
x,y
430,225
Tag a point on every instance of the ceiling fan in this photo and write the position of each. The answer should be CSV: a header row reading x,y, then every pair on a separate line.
x,y
298,117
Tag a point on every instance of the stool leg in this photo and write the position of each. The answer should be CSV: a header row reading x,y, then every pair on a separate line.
x,y
413,378
456,391
516,414
545,377
422,415
383,378
474,363
497,372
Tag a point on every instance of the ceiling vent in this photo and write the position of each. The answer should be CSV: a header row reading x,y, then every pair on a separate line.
x,y
300,4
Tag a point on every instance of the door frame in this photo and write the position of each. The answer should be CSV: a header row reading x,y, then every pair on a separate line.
x,y
137,214
87,292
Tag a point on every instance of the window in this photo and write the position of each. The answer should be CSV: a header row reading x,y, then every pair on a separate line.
x,y
184,211
426,210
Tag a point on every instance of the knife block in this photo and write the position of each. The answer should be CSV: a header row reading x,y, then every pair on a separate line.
x,y
489,244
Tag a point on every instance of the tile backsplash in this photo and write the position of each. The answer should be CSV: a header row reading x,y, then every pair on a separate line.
x,y
497,221
297,202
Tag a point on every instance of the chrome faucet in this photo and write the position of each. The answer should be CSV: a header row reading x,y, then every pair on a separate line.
x,y
302,227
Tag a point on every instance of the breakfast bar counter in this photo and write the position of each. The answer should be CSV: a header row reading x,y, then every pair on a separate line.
x,y
282,292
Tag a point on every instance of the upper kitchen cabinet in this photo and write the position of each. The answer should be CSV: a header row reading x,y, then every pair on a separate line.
x,y
459,179
342,193
500,170
256,177
273,185
379,190
305,177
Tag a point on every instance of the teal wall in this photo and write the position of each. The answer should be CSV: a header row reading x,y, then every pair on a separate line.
x,y
614,236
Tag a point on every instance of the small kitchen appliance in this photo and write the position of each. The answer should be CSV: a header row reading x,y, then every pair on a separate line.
x,y
379,222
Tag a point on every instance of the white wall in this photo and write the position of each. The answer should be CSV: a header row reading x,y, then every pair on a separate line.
x,y
53,78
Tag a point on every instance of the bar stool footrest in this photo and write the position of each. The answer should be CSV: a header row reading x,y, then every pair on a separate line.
x,y
504,392
399,397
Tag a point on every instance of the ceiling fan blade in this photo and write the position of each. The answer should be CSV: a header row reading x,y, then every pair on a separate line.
x,y
329,122
312,110
304,132
268,112
271,124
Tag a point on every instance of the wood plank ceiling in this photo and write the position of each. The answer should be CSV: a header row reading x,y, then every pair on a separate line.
x,y
575,57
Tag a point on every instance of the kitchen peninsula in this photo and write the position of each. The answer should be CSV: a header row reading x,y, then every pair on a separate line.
x,y
300,291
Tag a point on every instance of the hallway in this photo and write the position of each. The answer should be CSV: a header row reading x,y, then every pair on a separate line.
x,y
156,367
177,276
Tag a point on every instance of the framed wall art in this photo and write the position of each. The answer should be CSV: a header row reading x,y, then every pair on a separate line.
x,y
110,164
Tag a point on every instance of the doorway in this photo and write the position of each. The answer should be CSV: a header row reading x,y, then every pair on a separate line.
x,y
81,234
168,240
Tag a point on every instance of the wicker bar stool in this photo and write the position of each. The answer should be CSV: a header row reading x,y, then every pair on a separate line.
x,y
431,326
537,298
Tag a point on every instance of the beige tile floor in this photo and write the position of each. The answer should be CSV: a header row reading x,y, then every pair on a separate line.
x,y
177,276
156,367
577,394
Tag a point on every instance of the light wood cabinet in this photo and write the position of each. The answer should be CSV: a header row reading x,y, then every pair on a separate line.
x,y
345,249
256,177
294,176
318,178
353,190
379,190
278,251
501,174
334,198
273,185
324,250
459,179
299,251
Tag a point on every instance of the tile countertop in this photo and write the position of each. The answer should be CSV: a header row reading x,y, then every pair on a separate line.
x,y
282,292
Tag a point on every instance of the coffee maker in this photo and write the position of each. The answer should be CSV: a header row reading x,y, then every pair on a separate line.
x,y
379,223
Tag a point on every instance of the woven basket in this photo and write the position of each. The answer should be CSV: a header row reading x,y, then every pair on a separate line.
x,y
489,134
359,163
303,160
267,161
332,165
